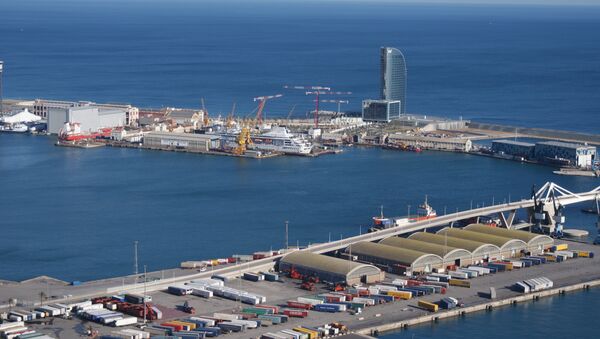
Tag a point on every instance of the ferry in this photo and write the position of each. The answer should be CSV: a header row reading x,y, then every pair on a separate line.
x,y
424,212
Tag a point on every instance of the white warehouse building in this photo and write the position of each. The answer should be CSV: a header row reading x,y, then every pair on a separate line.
x,y
90,118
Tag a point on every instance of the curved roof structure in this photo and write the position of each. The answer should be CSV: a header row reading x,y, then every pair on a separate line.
x,y
502,242
475,247
324,263
532,239
446,252
398,255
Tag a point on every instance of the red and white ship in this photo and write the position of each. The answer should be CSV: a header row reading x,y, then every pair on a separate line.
x,y
424,212
71,131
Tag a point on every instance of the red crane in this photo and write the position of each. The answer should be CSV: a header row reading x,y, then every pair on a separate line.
x,y
261,105
317,90
337,102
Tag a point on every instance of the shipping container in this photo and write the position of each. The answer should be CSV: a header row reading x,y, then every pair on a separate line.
x,y
231,327
299,305
458,275
209,331
124,321
296,313
559,247
312,334
460,283
180,289
428,306
404,295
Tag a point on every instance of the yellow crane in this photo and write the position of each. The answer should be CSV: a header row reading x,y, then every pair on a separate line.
x,y
243,141
206,119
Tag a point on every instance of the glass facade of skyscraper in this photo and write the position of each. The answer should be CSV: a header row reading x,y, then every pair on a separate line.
x,y
393,76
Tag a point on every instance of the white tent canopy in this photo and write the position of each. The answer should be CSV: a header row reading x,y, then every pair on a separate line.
x,y
21,117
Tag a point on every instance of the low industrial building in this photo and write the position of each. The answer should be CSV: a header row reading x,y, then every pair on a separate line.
x,y
515,148
559,152
330,269
394,259
480,251
536,243
90,118
188,141
432,143
450,255
380,110
182,116
42,108
509,247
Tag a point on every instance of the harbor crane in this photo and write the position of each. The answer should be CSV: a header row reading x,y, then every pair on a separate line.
x,y
261,105
316,90
206,119
338,102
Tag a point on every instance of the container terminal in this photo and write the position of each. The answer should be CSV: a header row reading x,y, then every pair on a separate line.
x,y
391,278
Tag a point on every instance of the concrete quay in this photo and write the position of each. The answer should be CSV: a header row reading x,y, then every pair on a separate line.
x,y
567,276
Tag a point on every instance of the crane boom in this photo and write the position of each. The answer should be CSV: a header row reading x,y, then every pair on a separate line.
x,y
262,100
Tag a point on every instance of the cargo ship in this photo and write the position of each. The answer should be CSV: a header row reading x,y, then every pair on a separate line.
x,y
71,131
424,212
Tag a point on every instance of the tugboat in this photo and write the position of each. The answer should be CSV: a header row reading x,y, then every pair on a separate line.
x,y
424,212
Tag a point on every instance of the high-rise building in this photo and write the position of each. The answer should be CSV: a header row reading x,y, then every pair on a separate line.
x,y
393,76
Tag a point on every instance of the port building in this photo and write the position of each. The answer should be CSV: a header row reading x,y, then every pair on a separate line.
x,y
433,143
395,259
330,269
380,110
536,243
480,251
509,247
393,76
42,108
90,118
187,141
573,154
450,255
515,148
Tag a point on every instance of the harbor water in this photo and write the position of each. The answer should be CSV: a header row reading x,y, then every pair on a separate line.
x,y
526,65
74,213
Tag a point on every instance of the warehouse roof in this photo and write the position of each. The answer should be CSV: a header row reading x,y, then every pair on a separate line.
x,y
502,242
324,263
514,142
563,144
531,239
475,247
392,253
426,247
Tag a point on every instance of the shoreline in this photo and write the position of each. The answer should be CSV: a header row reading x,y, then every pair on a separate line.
x,y
487,306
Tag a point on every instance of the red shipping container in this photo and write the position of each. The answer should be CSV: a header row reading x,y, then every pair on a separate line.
x,y
176,327
231,260
295,304
296,314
